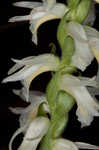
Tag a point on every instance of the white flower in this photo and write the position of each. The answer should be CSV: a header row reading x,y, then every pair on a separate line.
x,y
41,12
87,106
86,44
30,112
32,67
69,145
33,135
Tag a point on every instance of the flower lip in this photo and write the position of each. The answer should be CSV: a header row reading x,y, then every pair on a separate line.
x,y
34,133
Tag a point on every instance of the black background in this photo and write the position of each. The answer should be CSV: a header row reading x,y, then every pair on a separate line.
x,y
15,42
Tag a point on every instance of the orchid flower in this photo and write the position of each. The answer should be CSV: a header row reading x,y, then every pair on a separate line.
x,y
86,44
41,12
33,135
65,144
28,124
32,67
30,112
87,106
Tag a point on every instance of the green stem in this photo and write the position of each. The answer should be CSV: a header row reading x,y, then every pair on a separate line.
x,y
68,50
78,14
63,103
59,119
60,102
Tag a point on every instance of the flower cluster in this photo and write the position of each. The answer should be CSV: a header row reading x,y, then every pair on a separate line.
x,y
34,128
82,89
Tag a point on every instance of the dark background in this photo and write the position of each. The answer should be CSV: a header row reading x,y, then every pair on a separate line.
x,y
15,42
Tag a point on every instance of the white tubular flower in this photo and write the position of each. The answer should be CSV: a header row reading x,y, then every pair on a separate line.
x,y
69,145
36,130
87,106
86,44
30,112
32,67
83,55
41,12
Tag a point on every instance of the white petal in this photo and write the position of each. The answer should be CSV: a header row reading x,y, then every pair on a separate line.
x,y
17,132
34,134
62,144
89,81
65,144
82,56
20,75
82,145
20,93
46,108
28,113
37,59
28,4
20,18
59,10
34,96
94,46
93,36
72,81
91,32
39,64
17,110
35,24
43,14
49,3
34,38
19,64
37,15
14,68
24,61
87,106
